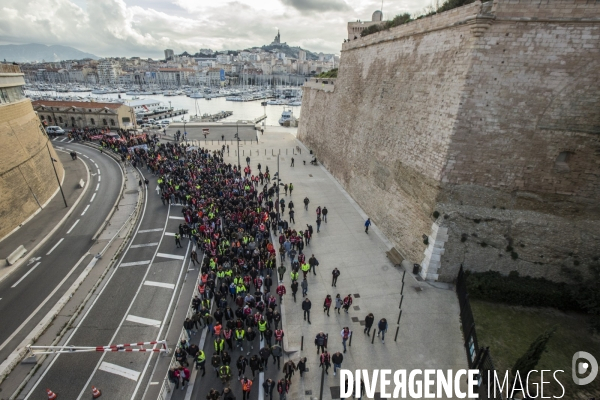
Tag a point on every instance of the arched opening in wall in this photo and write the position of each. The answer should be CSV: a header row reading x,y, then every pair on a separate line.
x,y
43,118
92,121
562,161
60,120
49,118
73,121
112,122
104,122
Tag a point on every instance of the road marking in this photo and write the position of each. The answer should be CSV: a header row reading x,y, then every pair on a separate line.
x,y
92,161
151,383
169,234
25,276
133,263
173,256
85,156
97,186
93,197
70,140
63,139
98,171
160,284
118,370
96,165
55,246
76,222
135,246
176,217
99,178
151,230
144,321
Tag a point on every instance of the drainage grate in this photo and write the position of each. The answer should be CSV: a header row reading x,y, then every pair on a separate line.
x,y
356,296
335,392
307,392
354,319
310,175
362,323
131,191
356,308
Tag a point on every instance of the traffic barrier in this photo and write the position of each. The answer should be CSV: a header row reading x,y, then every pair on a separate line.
x,y
81,183
16,255
96,393
51,394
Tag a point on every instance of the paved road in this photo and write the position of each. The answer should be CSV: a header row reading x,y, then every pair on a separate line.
x,y
30,292
133,306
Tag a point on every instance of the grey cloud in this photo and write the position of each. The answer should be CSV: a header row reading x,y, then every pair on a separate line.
x,y
309,6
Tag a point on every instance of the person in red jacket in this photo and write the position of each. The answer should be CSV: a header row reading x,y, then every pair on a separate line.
x,y
347,302
281,291
327,304
185,376
283,386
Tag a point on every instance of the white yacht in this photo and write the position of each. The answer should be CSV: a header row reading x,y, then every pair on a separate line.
x,y
286,116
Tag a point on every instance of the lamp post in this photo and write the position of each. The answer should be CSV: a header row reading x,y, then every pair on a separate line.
x,y
237,136
184,131
52,160
278,183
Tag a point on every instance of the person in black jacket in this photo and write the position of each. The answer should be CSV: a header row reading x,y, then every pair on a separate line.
x,y
337,359
268,386
302,366
369,323
255,364
241,364
294,289
306,305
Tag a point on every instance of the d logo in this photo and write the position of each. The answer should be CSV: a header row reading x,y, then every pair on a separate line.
x,y
582,367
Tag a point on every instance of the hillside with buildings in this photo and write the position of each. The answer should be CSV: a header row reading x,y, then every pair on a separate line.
x,y
34,52
275,62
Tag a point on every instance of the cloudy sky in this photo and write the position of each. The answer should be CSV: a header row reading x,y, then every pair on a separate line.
x,y
146,27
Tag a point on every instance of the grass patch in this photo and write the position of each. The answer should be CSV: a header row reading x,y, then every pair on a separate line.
x,y
509,330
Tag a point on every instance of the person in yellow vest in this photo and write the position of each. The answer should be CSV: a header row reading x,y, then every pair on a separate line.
x,y
224,373
239,338
294,275
200,361
219,343
262,327
305,268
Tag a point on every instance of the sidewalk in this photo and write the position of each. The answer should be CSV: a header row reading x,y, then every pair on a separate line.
x,y
33,233
429,330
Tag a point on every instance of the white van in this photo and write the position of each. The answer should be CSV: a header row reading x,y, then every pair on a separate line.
x,y
54,130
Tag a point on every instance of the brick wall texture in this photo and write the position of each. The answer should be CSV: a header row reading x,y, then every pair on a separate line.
x,y
25,165
467,113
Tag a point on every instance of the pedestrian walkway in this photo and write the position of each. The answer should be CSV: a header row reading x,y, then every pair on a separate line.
x,y
429,331
32,233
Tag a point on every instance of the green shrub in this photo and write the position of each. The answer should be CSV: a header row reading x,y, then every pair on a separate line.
x,y
332,73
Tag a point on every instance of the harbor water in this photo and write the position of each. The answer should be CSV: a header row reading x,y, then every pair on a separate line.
x,y
248,110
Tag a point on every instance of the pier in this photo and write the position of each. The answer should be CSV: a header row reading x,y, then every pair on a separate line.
x,y
211,117
166,114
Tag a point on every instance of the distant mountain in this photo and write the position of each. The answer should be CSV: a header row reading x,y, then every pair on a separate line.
x,y
38,52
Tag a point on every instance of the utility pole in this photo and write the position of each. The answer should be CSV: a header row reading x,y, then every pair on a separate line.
x,y
237,136
52,160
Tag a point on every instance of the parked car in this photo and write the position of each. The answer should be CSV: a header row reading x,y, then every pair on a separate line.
x,y
55,130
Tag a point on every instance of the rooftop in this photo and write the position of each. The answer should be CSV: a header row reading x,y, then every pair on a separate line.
x,y
79,104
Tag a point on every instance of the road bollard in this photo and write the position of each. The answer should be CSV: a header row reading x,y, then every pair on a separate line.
x,y
373,339
350,341
302,343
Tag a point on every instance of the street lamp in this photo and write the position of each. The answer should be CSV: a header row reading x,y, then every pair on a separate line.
x,y
184,131
237,136
56,174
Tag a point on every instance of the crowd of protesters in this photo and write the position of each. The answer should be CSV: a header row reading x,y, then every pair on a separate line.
x,y
230,216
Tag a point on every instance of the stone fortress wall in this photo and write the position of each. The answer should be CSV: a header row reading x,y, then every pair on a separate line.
x,y
25,165
478,128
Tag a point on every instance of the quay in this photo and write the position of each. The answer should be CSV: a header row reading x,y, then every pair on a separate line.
x,y
211,117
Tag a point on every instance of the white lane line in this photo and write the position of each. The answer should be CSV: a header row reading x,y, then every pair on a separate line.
x,y
118,370
160,284
92,161
169,234
98,171
134,263
25,276
151,230
93,197
83,213
172,256
77,152
63,139
70,140
151,383
144,321
171,217
85,156
55,246
135,246
99,178
96,165
97,186
69,231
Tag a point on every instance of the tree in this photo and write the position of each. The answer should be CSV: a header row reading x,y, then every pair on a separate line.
x,y
532,356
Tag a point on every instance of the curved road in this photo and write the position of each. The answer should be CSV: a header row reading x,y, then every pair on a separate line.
x,y
30,292
134,304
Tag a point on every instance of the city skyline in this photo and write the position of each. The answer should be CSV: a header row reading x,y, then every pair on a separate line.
x,y
145,28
